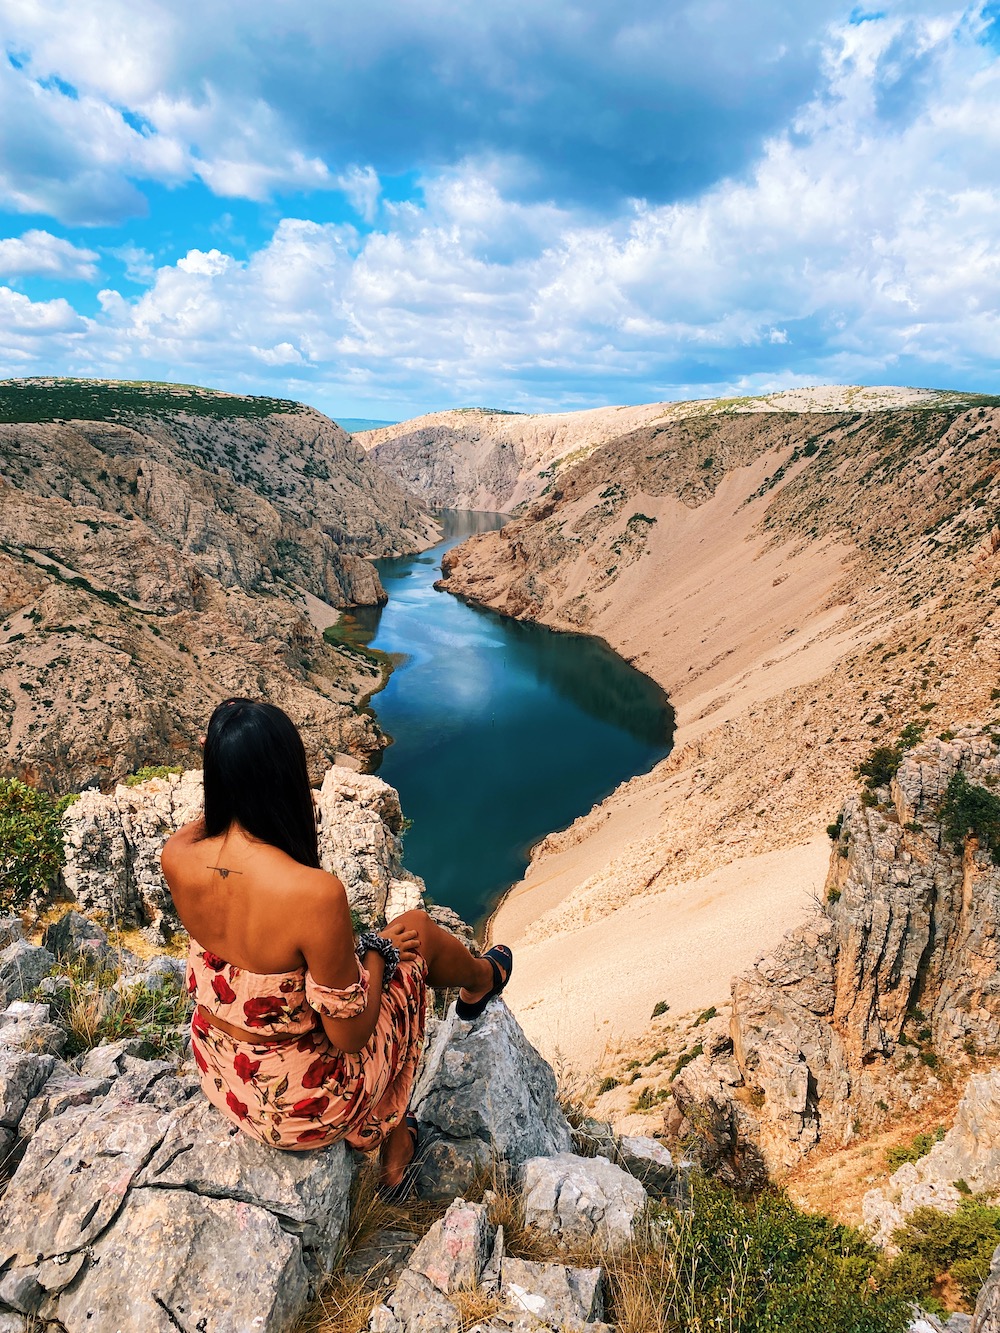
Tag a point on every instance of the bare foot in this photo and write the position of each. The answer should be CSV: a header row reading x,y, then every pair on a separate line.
x,y
397,1154
474,996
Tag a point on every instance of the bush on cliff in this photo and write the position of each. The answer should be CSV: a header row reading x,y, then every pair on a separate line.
x,y
31,847
967,809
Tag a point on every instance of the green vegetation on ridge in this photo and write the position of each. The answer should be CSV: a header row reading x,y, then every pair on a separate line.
x,y
103,400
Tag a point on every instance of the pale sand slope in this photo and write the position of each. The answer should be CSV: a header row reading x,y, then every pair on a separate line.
x,y
576,996
762,624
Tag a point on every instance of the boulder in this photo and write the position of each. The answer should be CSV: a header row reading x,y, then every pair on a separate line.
x,y
455,1251
241,1234
76,938
582,1198
215,1264
484,1095
653,1165
22,967
306,1192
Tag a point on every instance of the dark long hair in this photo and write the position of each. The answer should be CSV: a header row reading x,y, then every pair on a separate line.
x,y
256,776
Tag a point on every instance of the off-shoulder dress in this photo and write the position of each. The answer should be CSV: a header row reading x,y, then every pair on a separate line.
x,y
301,1091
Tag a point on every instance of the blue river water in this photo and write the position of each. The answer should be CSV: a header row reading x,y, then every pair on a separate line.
x,y
502,731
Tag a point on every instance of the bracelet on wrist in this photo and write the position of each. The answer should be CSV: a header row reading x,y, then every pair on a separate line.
x,y
386,950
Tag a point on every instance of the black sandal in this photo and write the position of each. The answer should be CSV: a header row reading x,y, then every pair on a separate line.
x,y
498,956
399,1193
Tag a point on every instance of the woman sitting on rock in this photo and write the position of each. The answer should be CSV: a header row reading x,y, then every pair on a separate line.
x,y
302,1034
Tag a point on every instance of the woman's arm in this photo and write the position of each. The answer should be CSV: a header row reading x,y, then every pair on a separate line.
x,y
328,949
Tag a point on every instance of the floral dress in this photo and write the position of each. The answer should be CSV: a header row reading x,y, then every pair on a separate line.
x,y
302,1092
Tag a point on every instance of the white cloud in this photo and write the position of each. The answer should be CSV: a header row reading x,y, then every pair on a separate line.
x,y
860,246
40,254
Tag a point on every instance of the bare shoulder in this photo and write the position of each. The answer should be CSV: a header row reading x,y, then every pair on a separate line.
x,y
180,842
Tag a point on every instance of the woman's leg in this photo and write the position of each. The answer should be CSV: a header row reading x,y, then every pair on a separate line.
x,y
449,962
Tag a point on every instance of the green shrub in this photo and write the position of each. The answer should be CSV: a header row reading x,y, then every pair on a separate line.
x,y
31,846
606,1084
966,809
881,766
150,771
934,1243
919,1147
660,1008
750,1266
833,830
685,1059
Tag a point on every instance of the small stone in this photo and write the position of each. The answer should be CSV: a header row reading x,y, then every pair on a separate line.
x,y
13,1323
11,929
576,1198
26,1026
554,1293
23,966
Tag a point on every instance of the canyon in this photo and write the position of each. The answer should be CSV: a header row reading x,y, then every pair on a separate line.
x,y
805,575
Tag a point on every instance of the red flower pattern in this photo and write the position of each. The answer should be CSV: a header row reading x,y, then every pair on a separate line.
x,y
238,1108
213,961
263,1009
245,1067
310,1106
223,990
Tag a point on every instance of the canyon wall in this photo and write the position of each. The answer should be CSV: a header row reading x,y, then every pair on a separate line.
x,y
183,548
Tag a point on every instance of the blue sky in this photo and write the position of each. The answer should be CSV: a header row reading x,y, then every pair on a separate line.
x,y
402,206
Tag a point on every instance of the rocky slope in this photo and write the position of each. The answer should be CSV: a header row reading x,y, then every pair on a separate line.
x,y
890,987
161,548
803,584
474,458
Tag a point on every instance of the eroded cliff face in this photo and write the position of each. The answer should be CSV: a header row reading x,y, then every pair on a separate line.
x,y
155,563
850,1021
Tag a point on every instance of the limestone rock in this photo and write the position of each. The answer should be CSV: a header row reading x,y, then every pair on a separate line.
x,y
306,1192
22,1073
456,1249
22,968
63,1089
108,1059
74,937
113,844
987,1314
580,1198
26,1026
553,1292
416,1306
484,1093
11,929
970,1151
73,1179
216,1264
360,821
653,1165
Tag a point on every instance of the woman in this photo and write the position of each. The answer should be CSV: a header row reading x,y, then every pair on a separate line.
x,y
302,1037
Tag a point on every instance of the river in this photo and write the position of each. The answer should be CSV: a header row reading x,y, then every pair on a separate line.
x,y
502,730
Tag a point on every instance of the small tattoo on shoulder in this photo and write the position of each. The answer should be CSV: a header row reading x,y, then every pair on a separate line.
x,y
221,870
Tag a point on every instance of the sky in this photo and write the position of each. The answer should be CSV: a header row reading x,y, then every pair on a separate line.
x,y
408,205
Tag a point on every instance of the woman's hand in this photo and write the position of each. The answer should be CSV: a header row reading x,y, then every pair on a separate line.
x,y
407,941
